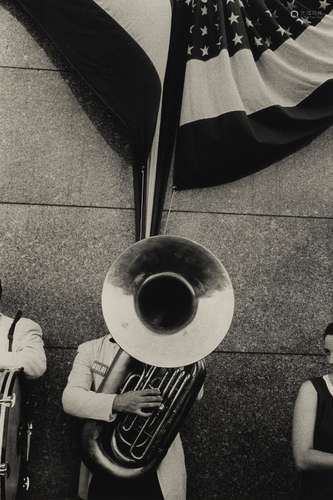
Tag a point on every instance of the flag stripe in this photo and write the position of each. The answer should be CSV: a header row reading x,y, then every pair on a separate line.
x,y
225,148
238,83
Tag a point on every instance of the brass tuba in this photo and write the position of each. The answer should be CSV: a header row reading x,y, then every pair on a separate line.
x,y
168,302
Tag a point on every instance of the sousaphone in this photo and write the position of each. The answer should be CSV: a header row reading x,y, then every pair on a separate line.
x,y
168,302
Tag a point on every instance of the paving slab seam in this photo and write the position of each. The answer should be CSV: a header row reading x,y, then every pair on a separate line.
x,y
246,353
252,214
271,353
59,205
25,68
106,207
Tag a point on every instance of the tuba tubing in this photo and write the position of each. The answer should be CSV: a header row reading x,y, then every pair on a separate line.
x,y
94,455
99,450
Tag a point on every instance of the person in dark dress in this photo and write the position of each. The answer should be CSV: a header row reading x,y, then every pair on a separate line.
x,y
313,432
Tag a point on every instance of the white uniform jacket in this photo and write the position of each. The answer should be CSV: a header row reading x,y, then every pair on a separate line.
x,y
27,348
89,367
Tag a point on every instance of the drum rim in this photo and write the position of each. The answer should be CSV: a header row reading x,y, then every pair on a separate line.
x,y
9,379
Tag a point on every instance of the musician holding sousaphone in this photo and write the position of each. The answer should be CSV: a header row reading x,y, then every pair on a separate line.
x,y
89,368
21,345
167,302
21,355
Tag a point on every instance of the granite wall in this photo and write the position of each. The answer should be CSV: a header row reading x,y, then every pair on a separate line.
x,y
66,212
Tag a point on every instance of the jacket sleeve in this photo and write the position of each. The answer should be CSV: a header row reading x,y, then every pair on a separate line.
x,y
78,399
28,350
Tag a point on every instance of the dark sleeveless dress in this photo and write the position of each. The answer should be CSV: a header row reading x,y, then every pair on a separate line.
x,y
318,485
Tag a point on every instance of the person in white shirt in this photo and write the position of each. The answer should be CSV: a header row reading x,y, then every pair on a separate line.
x,y
21,345
81,400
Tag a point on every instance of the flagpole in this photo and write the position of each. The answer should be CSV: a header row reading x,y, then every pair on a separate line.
x,y
161,158
150,182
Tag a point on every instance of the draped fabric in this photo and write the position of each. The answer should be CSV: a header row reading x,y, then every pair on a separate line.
x,y
220,88
118,51
258,84
120,48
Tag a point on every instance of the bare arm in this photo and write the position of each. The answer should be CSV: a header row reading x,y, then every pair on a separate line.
x,y
305,456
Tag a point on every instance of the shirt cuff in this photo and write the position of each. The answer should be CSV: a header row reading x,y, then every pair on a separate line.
x,y
112,416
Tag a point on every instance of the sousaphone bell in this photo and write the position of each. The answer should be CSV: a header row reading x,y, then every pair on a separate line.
x,y
168,302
